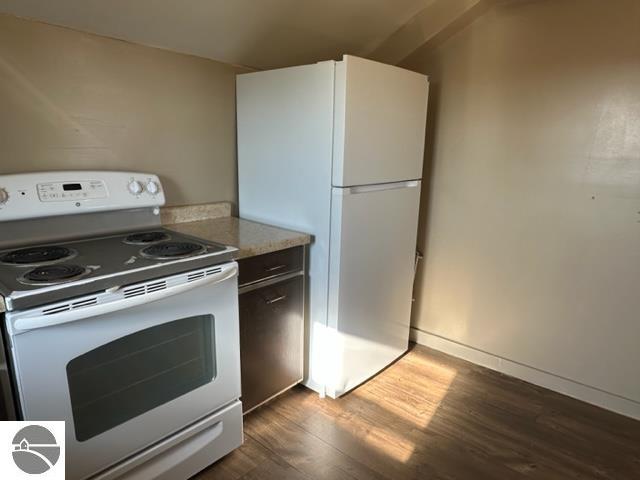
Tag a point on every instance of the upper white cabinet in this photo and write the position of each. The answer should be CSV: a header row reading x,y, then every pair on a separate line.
x,y
379,123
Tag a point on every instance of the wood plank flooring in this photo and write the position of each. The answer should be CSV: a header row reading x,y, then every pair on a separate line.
x,y
431,416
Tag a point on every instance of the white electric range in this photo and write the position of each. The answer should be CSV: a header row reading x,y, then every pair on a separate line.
x,y
123,329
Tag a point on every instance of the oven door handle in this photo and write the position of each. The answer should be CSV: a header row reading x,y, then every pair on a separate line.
x,y
26,323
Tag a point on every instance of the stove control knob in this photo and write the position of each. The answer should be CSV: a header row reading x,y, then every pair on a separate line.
x,y
4,196
152,187
135,187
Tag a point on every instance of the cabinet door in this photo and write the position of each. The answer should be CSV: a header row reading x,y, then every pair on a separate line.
x,y
380,116
271,329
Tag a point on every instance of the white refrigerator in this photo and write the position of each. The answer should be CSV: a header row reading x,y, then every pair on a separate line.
x,y
336,149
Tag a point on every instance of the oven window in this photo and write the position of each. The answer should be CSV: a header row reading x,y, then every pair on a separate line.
x,y
130,376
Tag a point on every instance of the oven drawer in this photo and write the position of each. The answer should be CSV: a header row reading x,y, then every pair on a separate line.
x,y
271,335
270,265
187,452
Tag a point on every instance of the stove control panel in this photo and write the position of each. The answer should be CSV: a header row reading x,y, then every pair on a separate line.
x,y
47,194
64,192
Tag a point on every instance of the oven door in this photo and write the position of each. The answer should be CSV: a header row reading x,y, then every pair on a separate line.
x,y
135,368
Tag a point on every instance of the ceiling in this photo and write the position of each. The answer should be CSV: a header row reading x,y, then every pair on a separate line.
x,y
256,33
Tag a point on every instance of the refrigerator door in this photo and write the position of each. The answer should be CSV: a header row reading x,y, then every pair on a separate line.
x,y
380,113
373,240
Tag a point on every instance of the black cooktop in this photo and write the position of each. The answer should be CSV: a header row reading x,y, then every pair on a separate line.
x,y
45,273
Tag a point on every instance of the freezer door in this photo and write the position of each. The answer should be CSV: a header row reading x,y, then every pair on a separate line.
x,y
380,113
373,244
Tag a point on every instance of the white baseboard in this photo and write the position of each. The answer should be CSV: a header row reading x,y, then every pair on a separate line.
x,y
541,378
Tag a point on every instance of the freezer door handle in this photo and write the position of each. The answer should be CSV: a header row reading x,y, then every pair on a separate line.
x,y
377,187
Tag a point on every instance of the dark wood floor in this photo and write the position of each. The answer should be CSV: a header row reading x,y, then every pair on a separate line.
x,y
430,416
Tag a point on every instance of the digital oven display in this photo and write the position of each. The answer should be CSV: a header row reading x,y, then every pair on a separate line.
x,y
68,187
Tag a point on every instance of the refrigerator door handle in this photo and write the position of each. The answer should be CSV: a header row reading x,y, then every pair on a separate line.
x,y
377,187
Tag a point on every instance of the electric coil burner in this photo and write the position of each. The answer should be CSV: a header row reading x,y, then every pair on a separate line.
x,y
144,238
53,274
172,250
37,255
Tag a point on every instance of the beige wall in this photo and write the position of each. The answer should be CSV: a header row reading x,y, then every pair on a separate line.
x,y
69,100
531,224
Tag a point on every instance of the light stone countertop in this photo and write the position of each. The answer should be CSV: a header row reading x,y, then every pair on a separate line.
x,y
250,238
